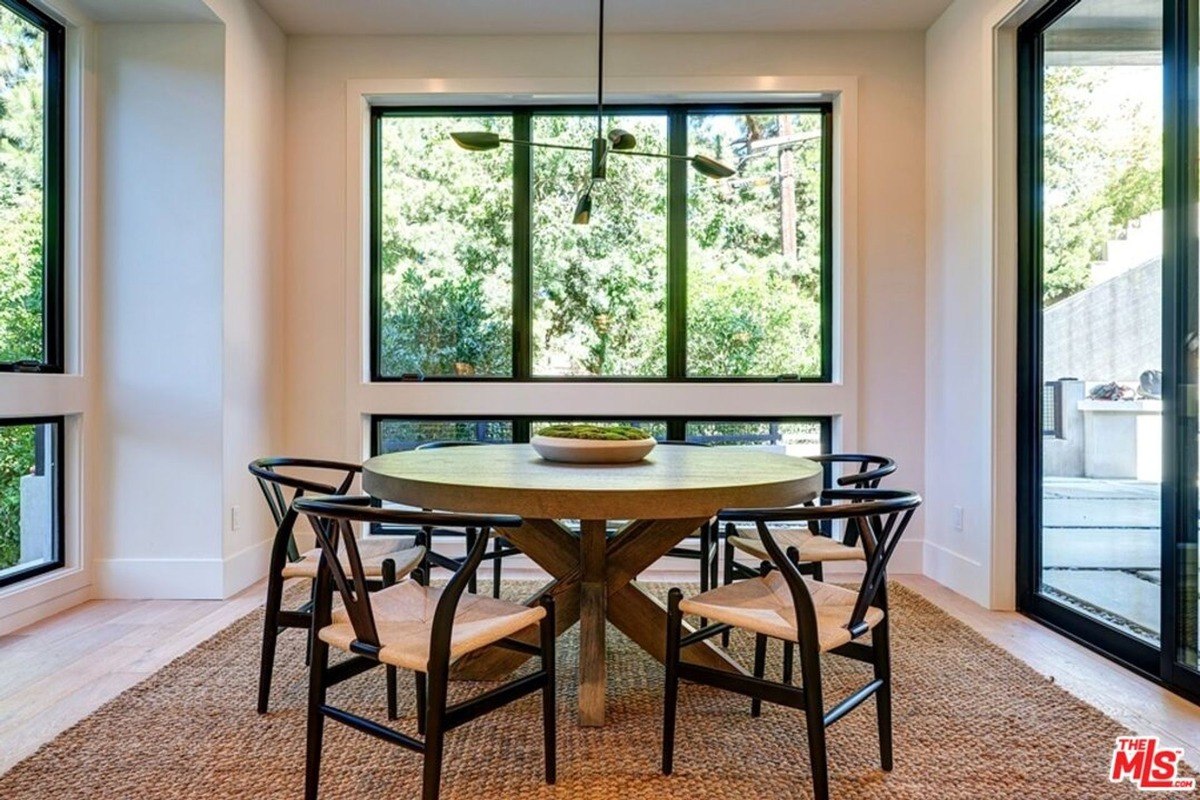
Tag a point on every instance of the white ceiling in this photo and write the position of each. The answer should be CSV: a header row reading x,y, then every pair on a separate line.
x,y
147,10
455,17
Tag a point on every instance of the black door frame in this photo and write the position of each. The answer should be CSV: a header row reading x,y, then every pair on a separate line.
x,y
1180,290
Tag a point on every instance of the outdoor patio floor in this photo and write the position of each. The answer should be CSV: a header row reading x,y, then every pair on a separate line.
x,y
1101,549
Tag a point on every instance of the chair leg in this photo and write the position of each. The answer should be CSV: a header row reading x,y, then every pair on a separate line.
x,y
419,683
789,656
316,719
388,577
498,545
760,666
671,689
728,579
880,643
714,554
549,691
818,571
435,731
814,712
312,629
704,571
270,636
472,584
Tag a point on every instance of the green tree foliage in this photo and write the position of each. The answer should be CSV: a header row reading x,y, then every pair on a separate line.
x,y
22,59
754,248
1102,167
600,291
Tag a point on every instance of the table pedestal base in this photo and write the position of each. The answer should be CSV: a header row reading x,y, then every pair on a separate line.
x,y
593,582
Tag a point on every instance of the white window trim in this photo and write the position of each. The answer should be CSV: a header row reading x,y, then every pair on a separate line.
x,y
837,399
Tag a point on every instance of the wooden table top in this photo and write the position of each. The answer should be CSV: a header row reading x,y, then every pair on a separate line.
x,y
671,483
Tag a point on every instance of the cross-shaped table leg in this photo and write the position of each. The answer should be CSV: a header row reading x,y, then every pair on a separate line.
x,y
593,581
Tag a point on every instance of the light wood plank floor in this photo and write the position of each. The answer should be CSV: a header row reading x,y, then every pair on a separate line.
x,y
58,671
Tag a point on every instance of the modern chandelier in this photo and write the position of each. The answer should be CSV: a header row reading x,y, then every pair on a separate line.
x,y
617,141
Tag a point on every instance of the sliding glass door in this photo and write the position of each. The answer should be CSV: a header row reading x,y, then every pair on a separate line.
x,y
1108,440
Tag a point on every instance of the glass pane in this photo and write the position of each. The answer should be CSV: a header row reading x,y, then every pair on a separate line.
x,y
402,434
754,247
599,290
445,249
656,429
1102,314
28,498
22,181
792,438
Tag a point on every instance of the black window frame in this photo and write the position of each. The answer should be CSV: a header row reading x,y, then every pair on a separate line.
x,y
676,424
58,534
54,165
677,242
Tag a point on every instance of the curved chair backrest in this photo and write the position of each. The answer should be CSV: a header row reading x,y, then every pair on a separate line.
x,y
331,519
271,481
871,469
447,443
880,517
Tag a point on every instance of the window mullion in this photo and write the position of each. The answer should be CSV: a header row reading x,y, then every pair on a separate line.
x,y
677,247
522,283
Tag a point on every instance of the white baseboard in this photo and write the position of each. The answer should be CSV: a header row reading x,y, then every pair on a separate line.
x,y
160,578
246,567
957,572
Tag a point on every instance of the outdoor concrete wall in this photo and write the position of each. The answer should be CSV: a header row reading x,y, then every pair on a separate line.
x,y
37,514
1063,457
883,401
1108,332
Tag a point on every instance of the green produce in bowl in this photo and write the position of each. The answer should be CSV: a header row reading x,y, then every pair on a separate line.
x,y
602,433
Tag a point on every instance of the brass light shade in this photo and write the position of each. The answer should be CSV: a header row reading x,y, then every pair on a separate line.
x,y
621,140
476,140
711,168
583,209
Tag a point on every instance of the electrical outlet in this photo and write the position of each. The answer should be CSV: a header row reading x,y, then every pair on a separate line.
x,y
958,518
235,518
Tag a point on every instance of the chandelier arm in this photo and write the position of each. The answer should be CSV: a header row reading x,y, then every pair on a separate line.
x,y
551,145
668,156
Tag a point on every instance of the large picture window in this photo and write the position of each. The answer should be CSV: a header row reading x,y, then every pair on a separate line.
x,y
479,273
31,175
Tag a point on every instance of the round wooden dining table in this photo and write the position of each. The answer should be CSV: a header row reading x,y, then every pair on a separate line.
x,y
659,502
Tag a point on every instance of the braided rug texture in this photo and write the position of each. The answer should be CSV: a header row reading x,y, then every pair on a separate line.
x,y
971,721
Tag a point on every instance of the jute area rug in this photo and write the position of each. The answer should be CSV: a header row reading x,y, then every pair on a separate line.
x,y
970,722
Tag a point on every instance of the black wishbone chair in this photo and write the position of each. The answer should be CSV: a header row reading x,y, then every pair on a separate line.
x,y
815,545
385,558
817,617
415,627
502,547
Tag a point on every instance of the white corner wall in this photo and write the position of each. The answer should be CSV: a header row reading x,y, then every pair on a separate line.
x,y
970,300
191,212
325,418
160,151
255,55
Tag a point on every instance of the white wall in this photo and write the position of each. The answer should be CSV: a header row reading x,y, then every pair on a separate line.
x,y
255,55
161,128
191,121
970,300
887,228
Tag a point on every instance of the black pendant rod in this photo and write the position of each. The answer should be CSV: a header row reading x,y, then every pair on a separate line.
x,y
600,78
